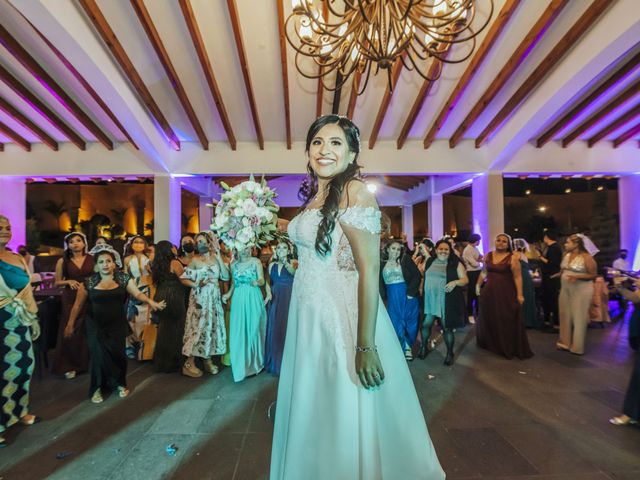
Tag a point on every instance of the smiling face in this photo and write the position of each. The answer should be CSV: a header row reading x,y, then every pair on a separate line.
x,y
443,251
394,251
5,231
329,153
138,245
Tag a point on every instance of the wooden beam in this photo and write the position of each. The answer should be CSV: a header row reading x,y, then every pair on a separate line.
x,y
320,88
244,65
109,37
384,105
337,94
94,95
620,74
588,18
632,132
611,105
285,72
198,43
163,56
353,96
13,135
432,72
483,51
1,147
628,116
23,120
508,69
38,105
41,75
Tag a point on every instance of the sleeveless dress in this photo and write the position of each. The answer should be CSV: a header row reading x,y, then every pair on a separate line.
x,y
277,314
500,326
72,353
16,354
528,290
168,353
327,425
247,323
204,331
573,304
404,312
138,312
107,331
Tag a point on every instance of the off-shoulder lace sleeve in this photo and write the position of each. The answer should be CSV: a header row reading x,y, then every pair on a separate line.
x,y
362,218
190,274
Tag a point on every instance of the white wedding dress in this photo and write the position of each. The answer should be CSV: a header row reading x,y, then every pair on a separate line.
x,y
327,426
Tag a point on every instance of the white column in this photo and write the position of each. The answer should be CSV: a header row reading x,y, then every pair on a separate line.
x,y
167,208
205,213
436,216
407,223
628,188
488,208
13,205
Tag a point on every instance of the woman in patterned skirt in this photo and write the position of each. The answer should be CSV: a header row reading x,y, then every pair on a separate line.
x,y
18,312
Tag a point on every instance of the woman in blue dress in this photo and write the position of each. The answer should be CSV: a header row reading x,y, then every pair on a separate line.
x,y
18,312
529,309
399,288
248,316
280,273
444,277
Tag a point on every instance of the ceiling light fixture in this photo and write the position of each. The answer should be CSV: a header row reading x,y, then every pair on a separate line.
x,y
379,32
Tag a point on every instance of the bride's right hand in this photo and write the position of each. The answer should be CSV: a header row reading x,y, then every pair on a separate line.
x,y
369,369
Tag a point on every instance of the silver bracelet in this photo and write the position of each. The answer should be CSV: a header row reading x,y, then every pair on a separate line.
x,y
374,348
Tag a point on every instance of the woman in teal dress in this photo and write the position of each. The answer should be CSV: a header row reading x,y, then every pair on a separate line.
x,y
248,317
18,312
529,309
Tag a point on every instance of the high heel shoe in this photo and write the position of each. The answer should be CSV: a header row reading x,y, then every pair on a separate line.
x,y
97,397
448,361
622,421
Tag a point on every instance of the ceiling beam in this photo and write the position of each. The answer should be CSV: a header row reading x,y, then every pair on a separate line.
x,y
100,23
320,88
78,76
517,57
618,76
38,105
632,132
615,125
1,147
201,51
611,105
353,95
41,75
588,18
6,130
386,100
337,94
285,72
27,123
485,47
163,56
432,72
244,65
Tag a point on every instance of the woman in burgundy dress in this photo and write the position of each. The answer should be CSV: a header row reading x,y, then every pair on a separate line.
x,y
500,327
72,353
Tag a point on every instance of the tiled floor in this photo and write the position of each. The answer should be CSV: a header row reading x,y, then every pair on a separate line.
x,y
544,418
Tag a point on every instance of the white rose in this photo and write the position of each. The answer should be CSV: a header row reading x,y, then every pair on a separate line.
x,y
250,186
238,212
249,207
220,220
245,235
245,221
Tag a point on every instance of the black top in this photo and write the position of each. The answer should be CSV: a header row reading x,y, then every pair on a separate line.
x,y
454,302
411,276
554,258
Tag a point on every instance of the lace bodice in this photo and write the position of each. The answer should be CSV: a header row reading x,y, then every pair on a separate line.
x,y
392,274
304,227
244,273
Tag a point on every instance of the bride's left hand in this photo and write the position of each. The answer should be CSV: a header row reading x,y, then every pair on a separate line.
x,y
369,369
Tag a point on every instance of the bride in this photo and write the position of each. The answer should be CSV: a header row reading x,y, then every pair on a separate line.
x,y
347,408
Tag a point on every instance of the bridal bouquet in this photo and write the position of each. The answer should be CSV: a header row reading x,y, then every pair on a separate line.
x,y
246,214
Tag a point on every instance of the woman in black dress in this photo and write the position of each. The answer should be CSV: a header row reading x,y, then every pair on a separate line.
x,y
105,294
165,272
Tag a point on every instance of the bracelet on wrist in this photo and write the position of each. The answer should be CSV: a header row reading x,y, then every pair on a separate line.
x,y
373,348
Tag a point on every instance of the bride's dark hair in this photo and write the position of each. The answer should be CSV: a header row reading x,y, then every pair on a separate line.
x,y
309,187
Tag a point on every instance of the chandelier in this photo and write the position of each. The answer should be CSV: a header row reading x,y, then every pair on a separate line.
x,y
365,33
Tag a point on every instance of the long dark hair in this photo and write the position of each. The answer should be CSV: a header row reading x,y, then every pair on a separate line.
x,y
67,251
161,264
181,252
309,187
385,251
